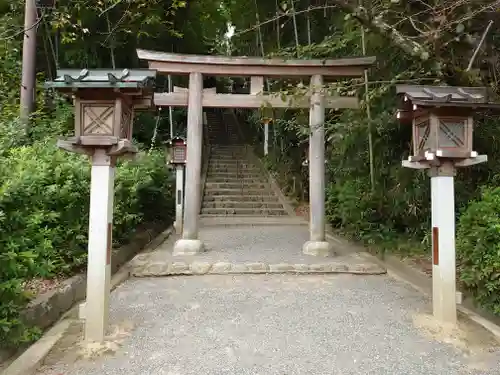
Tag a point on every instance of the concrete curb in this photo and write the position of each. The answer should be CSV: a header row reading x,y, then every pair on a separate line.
x,y
422,283
162,268
48,307
29,361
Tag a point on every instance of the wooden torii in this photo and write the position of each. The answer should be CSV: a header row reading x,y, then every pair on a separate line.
x,y
195,98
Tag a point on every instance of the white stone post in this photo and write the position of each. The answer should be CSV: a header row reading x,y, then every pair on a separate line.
x,y
179,198
266,138
443,243
99,246
189,244
317,244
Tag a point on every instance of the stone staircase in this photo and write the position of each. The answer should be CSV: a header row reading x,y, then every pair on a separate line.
x,y
235,185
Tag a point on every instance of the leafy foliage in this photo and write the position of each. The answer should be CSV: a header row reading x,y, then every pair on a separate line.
x,y
416,43
44,201
44,192
478,246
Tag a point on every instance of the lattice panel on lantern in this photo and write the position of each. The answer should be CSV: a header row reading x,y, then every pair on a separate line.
x,y
452,133
422,130
179,154
126,125
98,119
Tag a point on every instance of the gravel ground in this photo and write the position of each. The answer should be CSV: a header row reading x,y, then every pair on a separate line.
x,y
272,244
277,325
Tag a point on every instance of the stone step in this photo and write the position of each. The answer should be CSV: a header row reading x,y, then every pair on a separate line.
x,y
216,191
230,162
236,185
236,156
233,172
240,198
239,174
244,204
233,167
236,179
229,148
243,211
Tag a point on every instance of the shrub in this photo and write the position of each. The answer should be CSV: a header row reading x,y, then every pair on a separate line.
x,y
478,249
44,202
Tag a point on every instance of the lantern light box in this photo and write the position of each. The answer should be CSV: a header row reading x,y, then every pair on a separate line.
x,y
105,102
178,146
442,119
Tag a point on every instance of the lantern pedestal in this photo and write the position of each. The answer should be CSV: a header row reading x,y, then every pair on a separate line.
x,y
99,245
443,243
179,200
266,138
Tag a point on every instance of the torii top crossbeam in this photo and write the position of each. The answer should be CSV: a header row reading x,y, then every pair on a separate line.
x,y
171,63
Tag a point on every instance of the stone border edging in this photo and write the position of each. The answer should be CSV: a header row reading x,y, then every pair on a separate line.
x,y
420,281
49,307
162,268
29,361
31,358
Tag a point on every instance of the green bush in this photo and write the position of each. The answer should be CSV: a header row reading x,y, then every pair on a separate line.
x,y
478,249
44,202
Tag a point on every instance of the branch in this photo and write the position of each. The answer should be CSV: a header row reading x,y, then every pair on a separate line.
x,y
378,25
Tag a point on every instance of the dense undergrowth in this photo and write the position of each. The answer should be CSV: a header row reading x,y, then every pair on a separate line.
x,y
44,203
411,47
44,191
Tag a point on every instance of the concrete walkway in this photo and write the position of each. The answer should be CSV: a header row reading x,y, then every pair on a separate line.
x,y
272,324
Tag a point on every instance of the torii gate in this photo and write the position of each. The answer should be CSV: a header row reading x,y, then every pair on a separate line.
x,y
195,98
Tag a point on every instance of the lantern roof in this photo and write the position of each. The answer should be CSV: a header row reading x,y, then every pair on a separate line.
x,y
103,79
447,96
176,139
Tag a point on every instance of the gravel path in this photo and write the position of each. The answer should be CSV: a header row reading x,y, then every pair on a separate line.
x,y
272,244
278,325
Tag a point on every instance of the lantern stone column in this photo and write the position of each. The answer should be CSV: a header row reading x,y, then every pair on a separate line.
x,y
189,244
179,198
443,242
266,138
317,244
99,245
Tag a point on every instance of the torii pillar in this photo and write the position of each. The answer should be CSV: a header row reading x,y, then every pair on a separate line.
x,y
317,244
189,244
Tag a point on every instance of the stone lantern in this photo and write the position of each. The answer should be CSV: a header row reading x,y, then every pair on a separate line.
x,y
104,102
442,122
178,147
104,105
178,155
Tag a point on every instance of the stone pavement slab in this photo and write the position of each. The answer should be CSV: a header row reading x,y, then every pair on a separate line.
x,y
277,325
250,249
